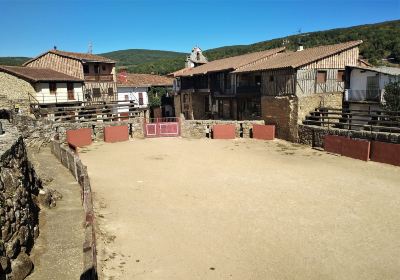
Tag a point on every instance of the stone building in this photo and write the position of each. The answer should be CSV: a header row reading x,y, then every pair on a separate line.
x,y
295,83
212,91
195,58
97,72
21,87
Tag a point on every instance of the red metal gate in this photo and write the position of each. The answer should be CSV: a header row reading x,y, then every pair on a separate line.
x,y
162,127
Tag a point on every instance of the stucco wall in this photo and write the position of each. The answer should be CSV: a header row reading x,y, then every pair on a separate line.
x,y
15,91
43,94
133,94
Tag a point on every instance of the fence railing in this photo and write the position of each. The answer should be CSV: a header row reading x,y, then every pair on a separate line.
x,y
99,78
369,120
86,112
159,120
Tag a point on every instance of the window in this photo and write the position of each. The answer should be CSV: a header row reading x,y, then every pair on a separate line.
x,y
86,69
96,69
321,77
271,78
103,67
198,56
110,91
70,91
340,76
257,80
53,88
96,92
126,97
140,98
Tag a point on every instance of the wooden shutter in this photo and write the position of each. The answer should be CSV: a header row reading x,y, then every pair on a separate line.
x,y
70,91
140,98
321,77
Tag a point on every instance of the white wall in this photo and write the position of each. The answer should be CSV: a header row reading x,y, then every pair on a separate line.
x,y
43,94
358,79
133,95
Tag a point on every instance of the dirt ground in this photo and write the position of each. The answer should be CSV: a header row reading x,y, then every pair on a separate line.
x,y
242,209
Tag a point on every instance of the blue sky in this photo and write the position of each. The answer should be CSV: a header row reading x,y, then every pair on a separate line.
x,y
31,27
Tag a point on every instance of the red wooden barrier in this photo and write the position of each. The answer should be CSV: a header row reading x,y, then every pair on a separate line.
x,y
385,152
224,131
116,133
333,144
79,137
354,148
264,132
357,149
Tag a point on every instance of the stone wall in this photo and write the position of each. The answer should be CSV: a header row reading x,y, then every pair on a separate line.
x,y
287,112
197,128
19,188
39,132
71,161
15,92
308,103
282,112
314,135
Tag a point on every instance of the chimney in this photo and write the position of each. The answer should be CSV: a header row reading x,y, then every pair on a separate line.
x,y
300,48
123,75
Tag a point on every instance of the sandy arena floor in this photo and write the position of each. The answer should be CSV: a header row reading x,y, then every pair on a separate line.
x,y
184,209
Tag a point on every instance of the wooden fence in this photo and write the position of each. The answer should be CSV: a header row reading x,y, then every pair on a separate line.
x,y
369,120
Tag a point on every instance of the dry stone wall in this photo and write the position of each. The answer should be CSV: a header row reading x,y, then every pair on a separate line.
x,y
15,92
197,128
19,188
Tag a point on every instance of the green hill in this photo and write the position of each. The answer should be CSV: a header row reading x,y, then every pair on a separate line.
x,y
13,61
135,57
381,42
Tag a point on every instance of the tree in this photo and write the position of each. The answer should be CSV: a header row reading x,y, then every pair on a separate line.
x,y
155,94
392,96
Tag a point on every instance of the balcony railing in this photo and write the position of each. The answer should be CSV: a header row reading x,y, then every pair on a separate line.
x,y
99,78
363,95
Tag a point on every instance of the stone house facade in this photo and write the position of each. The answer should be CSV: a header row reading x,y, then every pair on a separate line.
x,y
97,72
295,83
277,86
23,87
212,91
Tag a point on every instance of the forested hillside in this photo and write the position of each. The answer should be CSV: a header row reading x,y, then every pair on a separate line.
x,y
13,61
381,41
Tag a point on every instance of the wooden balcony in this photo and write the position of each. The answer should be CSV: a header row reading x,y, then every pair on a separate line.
x,y
99,78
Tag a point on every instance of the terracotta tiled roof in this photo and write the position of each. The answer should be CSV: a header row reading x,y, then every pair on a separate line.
x,y
299,58
178,72
84,57
34,74
230,63
142,80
